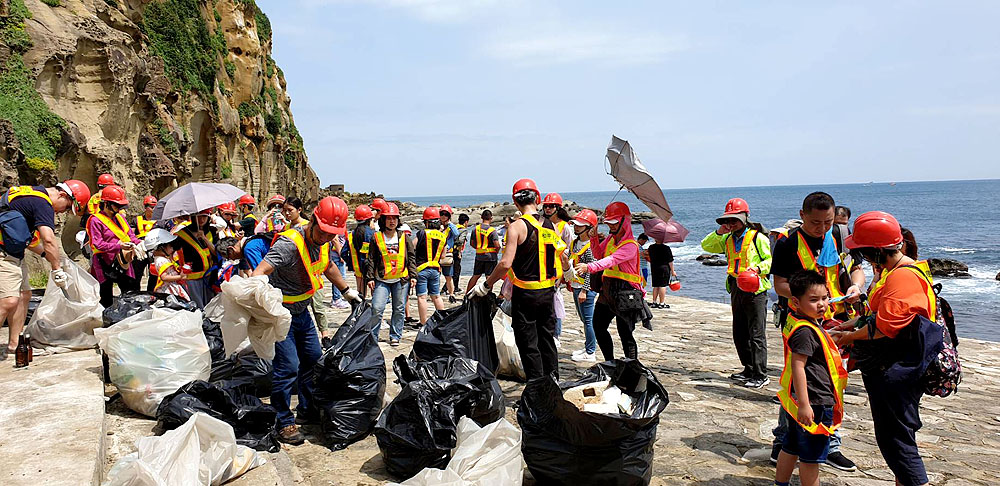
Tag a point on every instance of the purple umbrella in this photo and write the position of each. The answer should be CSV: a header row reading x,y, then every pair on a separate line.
x,y
666,232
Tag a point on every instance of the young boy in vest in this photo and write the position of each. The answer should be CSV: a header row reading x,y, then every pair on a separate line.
x,y
812,382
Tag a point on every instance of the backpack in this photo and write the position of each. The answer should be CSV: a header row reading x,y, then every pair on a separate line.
x,y
14,228
944,373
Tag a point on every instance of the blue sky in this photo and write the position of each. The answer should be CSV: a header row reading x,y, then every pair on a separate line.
x,y
445,97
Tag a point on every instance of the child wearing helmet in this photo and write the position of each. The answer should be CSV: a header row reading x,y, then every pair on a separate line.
x,y
164,270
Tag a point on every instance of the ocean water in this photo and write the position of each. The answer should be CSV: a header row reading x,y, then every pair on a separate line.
x,y
950,219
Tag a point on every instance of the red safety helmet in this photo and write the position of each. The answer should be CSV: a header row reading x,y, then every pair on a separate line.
x,y
331,214
875,229
229,207
432,214
737,205
363,213
527,185
586,217
149,201
379,204
615,212
247,199
748,281
79,191
445,209
114,194
391,210
553,198
276,199
105,180
205,212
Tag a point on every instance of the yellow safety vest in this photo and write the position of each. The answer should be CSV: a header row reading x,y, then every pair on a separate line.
x,y
94,204
922,269
832,277
314,269
394,263
614,271
739,261
355,252
483,240
204,253
546,238
159,271
433,257
835,365
575,258
18,191
143,225
119,227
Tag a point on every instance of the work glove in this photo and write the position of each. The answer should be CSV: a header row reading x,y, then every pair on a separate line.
x,y
140,250
480,290
571,273
60,278
352,296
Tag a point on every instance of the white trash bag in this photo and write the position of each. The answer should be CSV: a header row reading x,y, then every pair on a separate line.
x,y
62,324
510,358
154,353
482,457
253,310
203,451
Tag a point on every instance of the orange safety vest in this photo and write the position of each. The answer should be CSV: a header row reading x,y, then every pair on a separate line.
x,y
314,269
575,258
739,261
433,257
546,238
614,271
204,253
395,263
483,240
143,225
119,227
838,376
923,271
832,277
18,191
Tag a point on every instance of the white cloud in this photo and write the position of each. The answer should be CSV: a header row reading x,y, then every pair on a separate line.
x,y
443,11
564,46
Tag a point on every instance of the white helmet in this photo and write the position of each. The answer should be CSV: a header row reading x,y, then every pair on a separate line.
x,y
157,237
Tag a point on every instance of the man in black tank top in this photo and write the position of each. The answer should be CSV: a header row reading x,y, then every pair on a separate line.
x,y
533,312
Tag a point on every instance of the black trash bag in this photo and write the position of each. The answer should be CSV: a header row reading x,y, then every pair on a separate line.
x,y
349,380
213,334
563,445
465,331
252,420
245,370
419,428
132,303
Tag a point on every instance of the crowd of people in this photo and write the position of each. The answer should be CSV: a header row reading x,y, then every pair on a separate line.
x,y
813,265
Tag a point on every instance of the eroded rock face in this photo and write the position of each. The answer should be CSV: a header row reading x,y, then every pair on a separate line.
x,y
94,67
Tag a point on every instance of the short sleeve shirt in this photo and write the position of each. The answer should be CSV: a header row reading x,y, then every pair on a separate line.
x,y
36,211
660,255
289,275
805,341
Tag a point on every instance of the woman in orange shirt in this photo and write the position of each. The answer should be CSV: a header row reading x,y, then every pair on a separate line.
x,y
901,292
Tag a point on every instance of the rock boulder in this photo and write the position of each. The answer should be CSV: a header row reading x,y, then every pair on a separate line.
x,y
946,267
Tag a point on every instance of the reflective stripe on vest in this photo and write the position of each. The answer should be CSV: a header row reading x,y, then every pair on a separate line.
x,y
18,191
354,253
575,258
204,253
832,277
739,261
143,225
119,227
835,366
922,270
313,269
546,238
483,240
433,258
394,263
94,204
163,268
614,271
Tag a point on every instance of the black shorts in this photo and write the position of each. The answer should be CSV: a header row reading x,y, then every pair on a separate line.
x,y
661,276
483,267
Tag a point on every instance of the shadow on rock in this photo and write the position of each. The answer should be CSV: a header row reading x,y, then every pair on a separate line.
x,y
729,446
732,480
737,392
375,469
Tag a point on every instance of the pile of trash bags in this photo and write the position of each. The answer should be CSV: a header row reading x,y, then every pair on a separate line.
x,y
464,331
243,369
65,319
349,380
564,445
252,420
418,429
153,353
202,451
132,303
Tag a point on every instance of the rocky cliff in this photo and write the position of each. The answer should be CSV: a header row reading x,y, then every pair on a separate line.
x,y
158,93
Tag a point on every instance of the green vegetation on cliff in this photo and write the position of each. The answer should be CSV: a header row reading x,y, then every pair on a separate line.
x,y
179,34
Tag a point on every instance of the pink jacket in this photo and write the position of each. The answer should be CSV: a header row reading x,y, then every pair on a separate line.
x,y
625,257
102,238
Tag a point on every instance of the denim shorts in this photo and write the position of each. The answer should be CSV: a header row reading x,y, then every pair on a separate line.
x,y
446,270
810,448
429,282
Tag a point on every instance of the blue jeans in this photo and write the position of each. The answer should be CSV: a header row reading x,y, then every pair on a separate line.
x,y
586,313
429,282
294,360
339,262
380,297
809,448
782,429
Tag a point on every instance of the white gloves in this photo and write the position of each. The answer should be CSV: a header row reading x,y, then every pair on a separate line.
x,y
60,278
480,290
352,295
140,250
571,273
219,223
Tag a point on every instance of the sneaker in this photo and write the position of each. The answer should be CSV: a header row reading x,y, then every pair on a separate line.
x,y
585,357
393,342
775,450
838,461
757,382
578,352
452,299
741,376
341,304
410,320
291,435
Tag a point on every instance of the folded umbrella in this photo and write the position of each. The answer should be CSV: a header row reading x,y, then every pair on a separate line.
x,y
665,231
195,197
